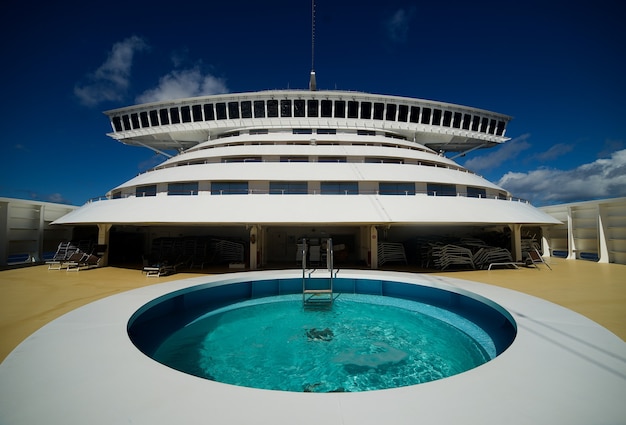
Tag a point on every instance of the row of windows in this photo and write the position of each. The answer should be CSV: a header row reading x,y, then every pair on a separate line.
x,y
301,188
313,108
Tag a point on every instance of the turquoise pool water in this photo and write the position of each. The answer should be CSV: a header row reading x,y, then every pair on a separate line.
x,y
361,343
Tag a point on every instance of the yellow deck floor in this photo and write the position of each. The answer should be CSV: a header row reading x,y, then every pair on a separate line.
x,y
30,297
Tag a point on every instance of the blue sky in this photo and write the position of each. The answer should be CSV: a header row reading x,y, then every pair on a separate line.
x,y
557,67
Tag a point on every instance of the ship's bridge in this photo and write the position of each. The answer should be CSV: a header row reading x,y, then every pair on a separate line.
x,y
183,123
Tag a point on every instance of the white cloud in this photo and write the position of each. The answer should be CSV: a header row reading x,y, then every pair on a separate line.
x,y
110,81
397,25
499,156
603,178
184,83
554,152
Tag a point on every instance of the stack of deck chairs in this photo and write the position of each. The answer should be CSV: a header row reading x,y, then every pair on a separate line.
x,y
466,253
391,253
72,258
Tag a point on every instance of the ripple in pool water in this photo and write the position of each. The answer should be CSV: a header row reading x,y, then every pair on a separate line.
x,y
361,343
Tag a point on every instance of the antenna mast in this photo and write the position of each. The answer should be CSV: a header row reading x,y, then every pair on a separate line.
x,y
312,82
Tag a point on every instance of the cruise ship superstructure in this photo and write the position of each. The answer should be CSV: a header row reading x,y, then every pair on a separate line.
x,y
271,167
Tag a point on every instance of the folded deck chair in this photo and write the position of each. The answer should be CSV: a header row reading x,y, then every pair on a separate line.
x,y
87,261
535,258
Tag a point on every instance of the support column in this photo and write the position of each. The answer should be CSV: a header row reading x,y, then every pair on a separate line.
x,y
104,231
516,242
571,243
254,247
373,247
603,248
545,242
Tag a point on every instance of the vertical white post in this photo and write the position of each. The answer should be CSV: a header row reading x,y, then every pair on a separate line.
x,y
571,243
603,248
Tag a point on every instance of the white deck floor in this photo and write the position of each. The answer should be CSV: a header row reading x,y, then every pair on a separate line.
x,y
82,369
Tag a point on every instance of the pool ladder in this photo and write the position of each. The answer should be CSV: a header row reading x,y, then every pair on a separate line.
x,y
314,293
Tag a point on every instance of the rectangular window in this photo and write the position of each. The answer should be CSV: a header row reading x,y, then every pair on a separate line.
x,y
259,109
117,123
116,195
476,123
143,116
185,113
242,159
288,188
142,191
154,118
302,131
436,117
340,108
272,108
209,113
500,130
246,109
403,113
366,110
229,188
259,131
484,123
175,117
186,188
440,189
233,110
415,114
447,118
327,108
331,159
426,115
339,188
134,119
401,188
294,159
326,131
492,127
390,115
126,122
220,111
298,108
313,108
366,132
379,108
196,112
285,108
467,120
353,109
456,122
476,192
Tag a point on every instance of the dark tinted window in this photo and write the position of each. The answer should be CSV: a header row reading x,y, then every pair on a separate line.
x,y
288,188
246,109
447,118
391,112
426,115
403,113
456,123
313,108
259,109
378,110
187,188
185,113
272,108
144,119
220,111
165,119
436,116
339,188
353,109
500,130
134,118
327,108
229,188
439,189
154,117
117,123
196,111
285,108
476,192
415,114
146,190
174,115
340,108
467,120
233,110
402,188
298,108
476,123
366,110
209,113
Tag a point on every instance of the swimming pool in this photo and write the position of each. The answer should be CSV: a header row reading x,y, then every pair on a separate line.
x,y
378,334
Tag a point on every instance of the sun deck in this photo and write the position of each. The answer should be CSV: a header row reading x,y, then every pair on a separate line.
x,y
561,369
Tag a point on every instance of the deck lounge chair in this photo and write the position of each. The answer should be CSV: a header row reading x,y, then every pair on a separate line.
x,y
61,256
86,261
535,258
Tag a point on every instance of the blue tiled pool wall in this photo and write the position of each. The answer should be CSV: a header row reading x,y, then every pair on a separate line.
x,y
157,320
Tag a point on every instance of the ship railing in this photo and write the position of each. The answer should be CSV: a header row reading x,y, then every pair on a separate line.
x,y
311,192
